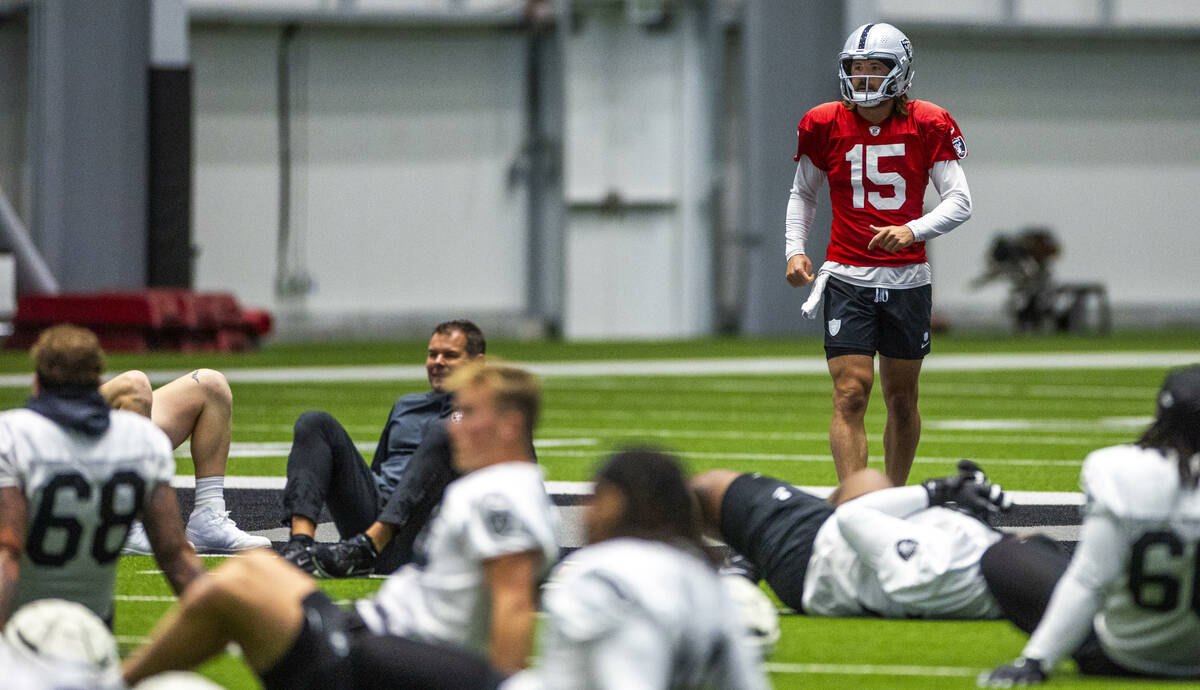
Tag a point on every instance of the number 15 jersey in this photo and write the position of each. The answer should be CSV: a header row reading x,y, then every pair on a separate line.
x,y
877,173
82,493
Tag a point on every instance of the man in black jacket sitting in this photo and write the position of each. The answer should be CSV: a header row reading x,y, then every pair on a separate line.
x,y
383,507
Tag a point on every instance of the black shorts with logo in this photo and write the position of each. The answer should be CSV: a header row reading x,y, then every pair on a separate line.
x,y
862,320
773,524
335,650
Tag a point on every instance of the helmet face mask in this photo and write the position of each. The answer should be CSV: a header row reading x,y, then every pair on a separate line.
x,y
882,42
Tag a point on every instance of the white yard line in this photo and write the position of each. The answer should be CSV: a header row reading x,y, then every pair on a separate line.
x,y
697,367
557,488
873,670
824,457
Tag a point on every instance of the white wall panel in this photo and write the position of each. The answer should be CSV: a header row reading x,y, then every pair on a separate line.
x,y
639,134
623,95
619,286
1090,138
403,142
410,139
236,173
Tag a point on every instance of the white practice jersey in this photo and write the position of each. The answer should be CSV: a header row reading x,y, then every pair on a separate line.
x,y
1135,566
631,614
886,553
83,492
492,512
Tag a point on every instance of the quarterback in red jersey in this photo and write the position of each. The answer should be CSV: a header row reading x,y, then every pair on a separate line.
x,y
877,149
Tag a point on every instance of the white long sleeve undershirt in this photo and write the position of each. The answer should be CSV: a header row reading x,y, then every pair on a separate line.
x,y
948,180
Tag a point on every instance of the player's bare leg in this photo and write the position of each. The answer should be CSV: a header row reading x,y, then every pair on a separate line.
x,y
857,484
709,489
199,405
129,390
899,380
853,376
253,600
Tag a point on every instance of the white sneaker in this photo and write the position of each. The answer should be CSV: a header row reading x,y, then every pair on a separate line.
x,y
214,532
136,542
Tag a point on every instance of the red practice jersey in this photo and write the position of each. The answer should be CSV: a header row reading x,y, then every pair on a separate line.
x,y
877,173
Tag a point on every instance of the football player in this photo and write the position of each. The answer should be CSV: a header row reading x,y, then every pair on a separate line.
x,y
74,475
622,612
493,540
196,407
889,552
877,149
1129,601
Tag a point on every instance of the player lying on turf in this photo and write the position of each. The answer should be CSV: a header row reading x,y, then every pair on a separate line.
x,y
621,612
889,552
1129,601
493,540
196,407
74,474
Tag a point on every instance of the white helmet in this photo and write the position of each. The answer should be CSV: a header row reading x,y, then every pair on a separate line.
x,y
877,42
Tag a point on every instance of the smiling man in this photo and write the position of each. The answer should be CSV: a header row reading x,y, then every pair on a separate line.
x,y
325,468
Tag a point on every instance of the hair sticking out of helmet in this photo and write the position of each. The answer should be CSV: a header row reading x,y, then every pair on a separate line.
x,y
1176,425
882,42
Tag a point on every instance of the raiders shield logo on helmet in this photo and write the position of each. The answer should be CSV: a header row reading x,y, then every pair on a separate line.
x,y
835,325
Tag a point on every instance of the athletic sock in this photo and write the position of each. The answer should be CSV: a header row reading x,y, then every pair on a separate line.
x,y
210,493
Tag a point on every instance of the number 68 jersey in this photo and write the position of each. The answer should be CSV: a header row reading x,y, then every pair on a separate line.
x,y
82,493
1150,617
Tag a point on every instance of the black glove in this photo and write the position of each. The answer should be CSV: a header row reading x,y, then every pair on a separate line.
x,y
969,491
1020,672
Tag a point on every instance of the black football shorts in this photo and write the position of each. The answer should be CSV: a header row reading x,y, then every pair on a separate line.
x,y
336,651
863,321
774,525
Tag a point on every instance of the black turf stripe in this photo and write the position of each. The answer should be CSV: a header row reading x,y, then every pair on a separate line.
x,y
862,40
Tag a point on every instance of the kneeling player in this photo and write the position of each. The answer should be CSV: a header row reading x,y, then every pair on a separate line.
x,y
1127,603
892,552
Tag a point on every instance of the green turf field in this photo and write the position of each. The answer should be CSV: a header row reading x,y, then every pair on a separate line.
x,y
1030,428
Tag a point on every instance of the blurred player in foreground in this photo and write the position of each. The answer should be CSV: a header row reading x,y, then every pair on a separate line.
x,y
877,149
888,552
196,407
74,475
1129,601
622,612
492,542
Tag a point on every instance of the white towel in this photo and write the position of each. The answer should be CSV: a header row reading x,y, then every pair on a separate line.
x,y
809,308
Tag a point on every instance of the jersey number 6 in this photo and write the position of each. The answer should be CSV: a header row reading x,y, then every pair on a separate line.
x,y
1159,591
45,519
884,179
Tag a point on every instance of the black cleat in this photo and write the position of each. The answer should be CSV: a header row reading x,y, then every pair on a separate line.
x,y
298,552
353,557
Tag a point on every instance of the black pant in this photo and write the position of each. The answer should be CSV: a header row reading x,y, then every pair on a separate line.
x,y
1022,574
334,650
325,468
410,505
